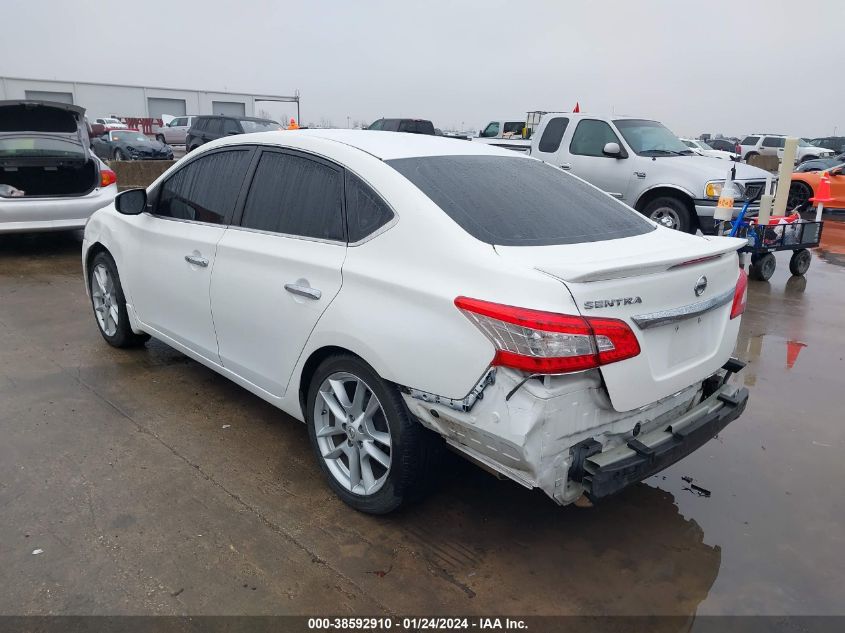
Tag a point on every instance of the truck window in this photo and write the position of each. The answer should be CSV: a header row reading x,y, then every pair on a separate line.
x,y
749,140
491,131
553,135
773,141
590,138
514,128
481,194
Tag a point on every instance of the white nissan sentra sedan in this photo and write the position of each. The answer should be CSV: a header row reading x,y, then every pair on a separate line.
x,y
400,292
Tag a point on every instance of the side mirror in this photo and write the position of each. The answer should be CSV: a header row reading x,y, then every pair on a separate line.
x,y
612,149
836,172
131,201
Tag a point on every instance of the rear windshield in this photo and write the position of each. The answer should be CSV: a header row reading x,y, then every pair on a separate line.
x,y
519,201
259,126
39,147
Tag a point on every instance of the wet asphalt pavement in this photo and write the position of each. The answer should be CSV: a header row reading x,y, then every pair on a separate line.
x,y
154,486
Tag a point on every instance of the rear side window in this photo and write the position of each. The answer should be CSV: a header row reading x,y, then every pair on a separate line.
x,y
214,126
590,137
390,125
206,189
749,140
514,127
366,212
519,201
773,141
294,195
199,124
553,135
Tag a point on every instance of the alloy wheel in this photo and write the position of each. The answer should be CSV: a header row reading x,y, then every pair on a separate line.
x,y
353,434
105,300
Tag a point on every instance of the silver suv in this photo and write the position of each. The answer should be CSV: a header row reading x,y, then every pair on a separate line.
x,y
772,145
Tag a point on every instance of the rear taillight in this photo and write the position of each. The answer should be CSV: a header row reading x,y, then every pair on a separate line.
x,y
547,342
740,295
107,177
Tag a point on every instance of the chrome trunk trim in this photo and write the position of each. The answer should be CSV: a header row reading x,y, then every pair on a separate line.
x,y
664,317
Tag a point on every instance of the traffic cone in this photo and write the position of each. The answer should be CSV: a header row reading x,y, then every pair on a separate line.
x,y
823,192
793,348
577,108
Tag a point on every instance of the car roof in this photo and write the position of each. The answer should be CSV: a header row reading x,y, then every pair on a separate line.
x,y
382,145
228,116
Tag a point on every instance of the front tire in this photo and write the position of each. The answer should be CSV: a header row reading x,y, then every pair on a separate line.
x,y
109,304
750,155
799,196
160,138
799,263
375,456
119,155
671,213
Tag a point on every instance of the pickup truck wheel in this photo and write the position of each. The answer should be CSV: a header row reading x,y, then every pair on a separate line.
x,y
109,304
375,456
671,213
762,267
749,155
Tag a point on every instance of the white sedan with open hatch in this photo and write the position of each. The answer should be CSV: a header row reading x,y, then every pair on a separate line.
x,y
400,293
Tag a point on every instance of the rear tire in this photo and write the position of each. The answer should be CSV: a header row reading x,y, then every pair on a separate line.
x,y
671,213
799,263
749,155
109,304
762,267
374,454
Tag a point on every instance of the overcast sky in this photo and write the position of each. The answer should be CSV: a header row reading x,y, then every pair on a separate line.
x,y
699,66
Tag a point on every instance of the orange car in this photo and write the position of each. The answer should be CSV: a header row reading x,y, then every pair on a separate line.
x,y
805,185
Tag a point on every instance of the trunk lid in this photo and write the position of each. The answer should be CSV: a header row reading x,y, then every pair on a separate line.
x,y
654,283
42,133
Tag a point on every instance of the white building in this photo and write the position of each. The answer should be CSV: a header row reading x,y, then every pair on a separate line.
x,y
143,102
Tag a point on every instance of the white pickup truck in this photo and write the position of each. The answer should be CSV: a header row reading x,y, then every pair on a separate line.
x,y
505,133
645,165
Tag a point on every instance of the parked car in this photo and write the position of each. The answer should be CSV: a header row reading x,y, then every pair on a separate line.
x,y
130,145
570,357
704,149
212,127
820,164
110,123
505,133
836,143
412,126
49,178
804,186
723,144
773,144
175,131
645,165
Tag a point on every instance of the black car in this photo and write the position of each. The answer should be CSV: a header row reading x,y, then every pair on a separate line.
x,y
129,145
723,144
836,143
211,127
820,164
413,126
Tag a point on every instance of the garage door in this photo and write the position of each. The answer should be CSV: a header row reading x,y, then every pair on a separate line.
x,y
158,106
228,108
48,95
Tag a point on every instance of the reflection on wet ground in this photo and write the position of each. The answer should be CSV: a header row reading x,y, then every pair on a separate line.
x,y
117,464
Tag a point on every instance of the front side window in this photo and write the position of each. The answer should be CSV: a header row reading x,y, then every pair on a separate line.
x,y
553,135
366,212
519,201
206,189
591,136
214,126
491,131
376,125
297,196
650,138
230,127
259,126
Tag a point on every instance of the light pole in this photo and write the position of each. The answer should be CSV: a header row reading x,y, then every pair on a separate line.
x,y
347,122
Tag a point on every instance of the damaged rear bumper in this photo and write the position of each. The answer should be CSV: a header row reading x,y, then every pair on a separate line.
x,y
606,473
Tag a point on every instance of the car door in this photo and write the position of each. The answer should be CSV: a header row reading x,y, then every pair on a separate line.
x,y
102,146
772,146
588,161
175,246
176,130
279,266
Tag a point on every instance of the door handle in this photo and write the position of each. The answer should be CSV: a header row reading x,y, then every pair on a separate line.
x,y
196,260
303,291
566,166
